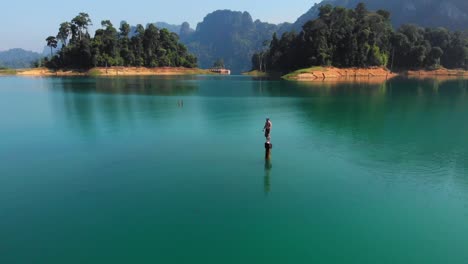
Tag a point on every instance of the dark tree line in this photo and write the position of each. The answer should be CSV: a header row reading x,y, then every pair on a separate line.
x,y
149,47
416,47
343,37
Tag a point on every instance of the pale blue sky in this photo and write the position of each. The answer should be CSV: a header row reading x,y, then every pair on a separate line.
x,y
26,23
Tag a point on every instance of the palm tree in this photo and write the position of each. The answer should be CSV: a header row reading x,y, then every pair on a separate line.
x,y
52,43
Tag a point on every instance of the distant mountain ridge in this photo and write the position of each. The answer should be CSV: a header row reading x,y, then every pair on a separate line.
x,y
18,58
451,14
170,27
232,36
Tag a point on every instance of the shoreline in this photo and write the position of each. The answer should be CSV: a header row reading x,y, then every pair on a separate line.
x,y
333,73
438,72
372,74
113,71
314,74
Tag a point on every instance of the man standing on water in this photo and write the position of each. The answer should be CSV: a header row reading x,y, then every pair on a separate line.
x,y
267,128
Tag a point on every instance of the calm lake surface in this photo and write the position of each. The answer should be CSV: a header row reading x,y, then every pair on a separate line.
x,y
118,170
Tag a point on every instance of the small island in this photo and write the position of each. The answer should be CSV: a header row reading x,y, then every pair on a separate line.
x,y
112,52
356,43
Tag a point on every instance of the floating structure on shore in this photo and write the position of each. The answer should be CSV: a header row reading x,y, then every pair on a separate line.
x,y
220,71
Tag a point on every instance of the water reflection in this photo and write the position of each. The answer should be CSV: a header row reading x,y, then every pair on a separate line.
x,y
401,121
143,85
163,160
267,177
416,125
87,103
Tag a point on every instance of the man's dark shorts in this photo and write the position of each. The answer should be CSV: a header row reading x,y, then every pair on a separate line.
x,y
267,132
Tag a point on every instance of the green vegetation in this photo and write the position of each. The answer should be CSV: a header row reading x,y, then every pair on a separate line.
x,y
307,70
150,47
235,36
343,37
7,71
196,71
415,47
52,44
452,14
256,73
219,64
94,72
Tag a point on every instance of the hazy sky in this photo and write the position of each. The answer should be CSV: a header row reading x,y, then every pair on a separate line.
x,y
26,23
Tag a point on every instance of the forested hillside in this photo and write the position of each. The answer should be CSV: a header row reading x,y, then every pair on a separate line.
x,y
451,14
359,38
234,37
231,36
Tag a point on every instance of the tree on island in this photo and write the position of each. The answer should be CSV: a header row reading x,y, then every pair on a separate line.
x,y
343,37
150,47
260,58
52,43
64,32
219,64
80,24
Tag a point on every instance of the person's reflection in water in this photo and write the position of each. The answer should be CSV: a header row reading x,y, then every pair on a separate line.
x,y
180,103
266,179
268,147
268,166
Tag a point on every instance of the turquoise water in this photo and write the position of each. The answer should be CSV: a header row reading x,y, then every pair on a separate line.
x,y
118,170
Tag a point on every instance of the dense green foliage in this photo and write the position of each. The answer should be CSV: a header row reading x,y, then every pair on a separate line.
x,y
150,47
18,58
219,64
339,37
52,44
451,14
161,25
358,38
416,47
